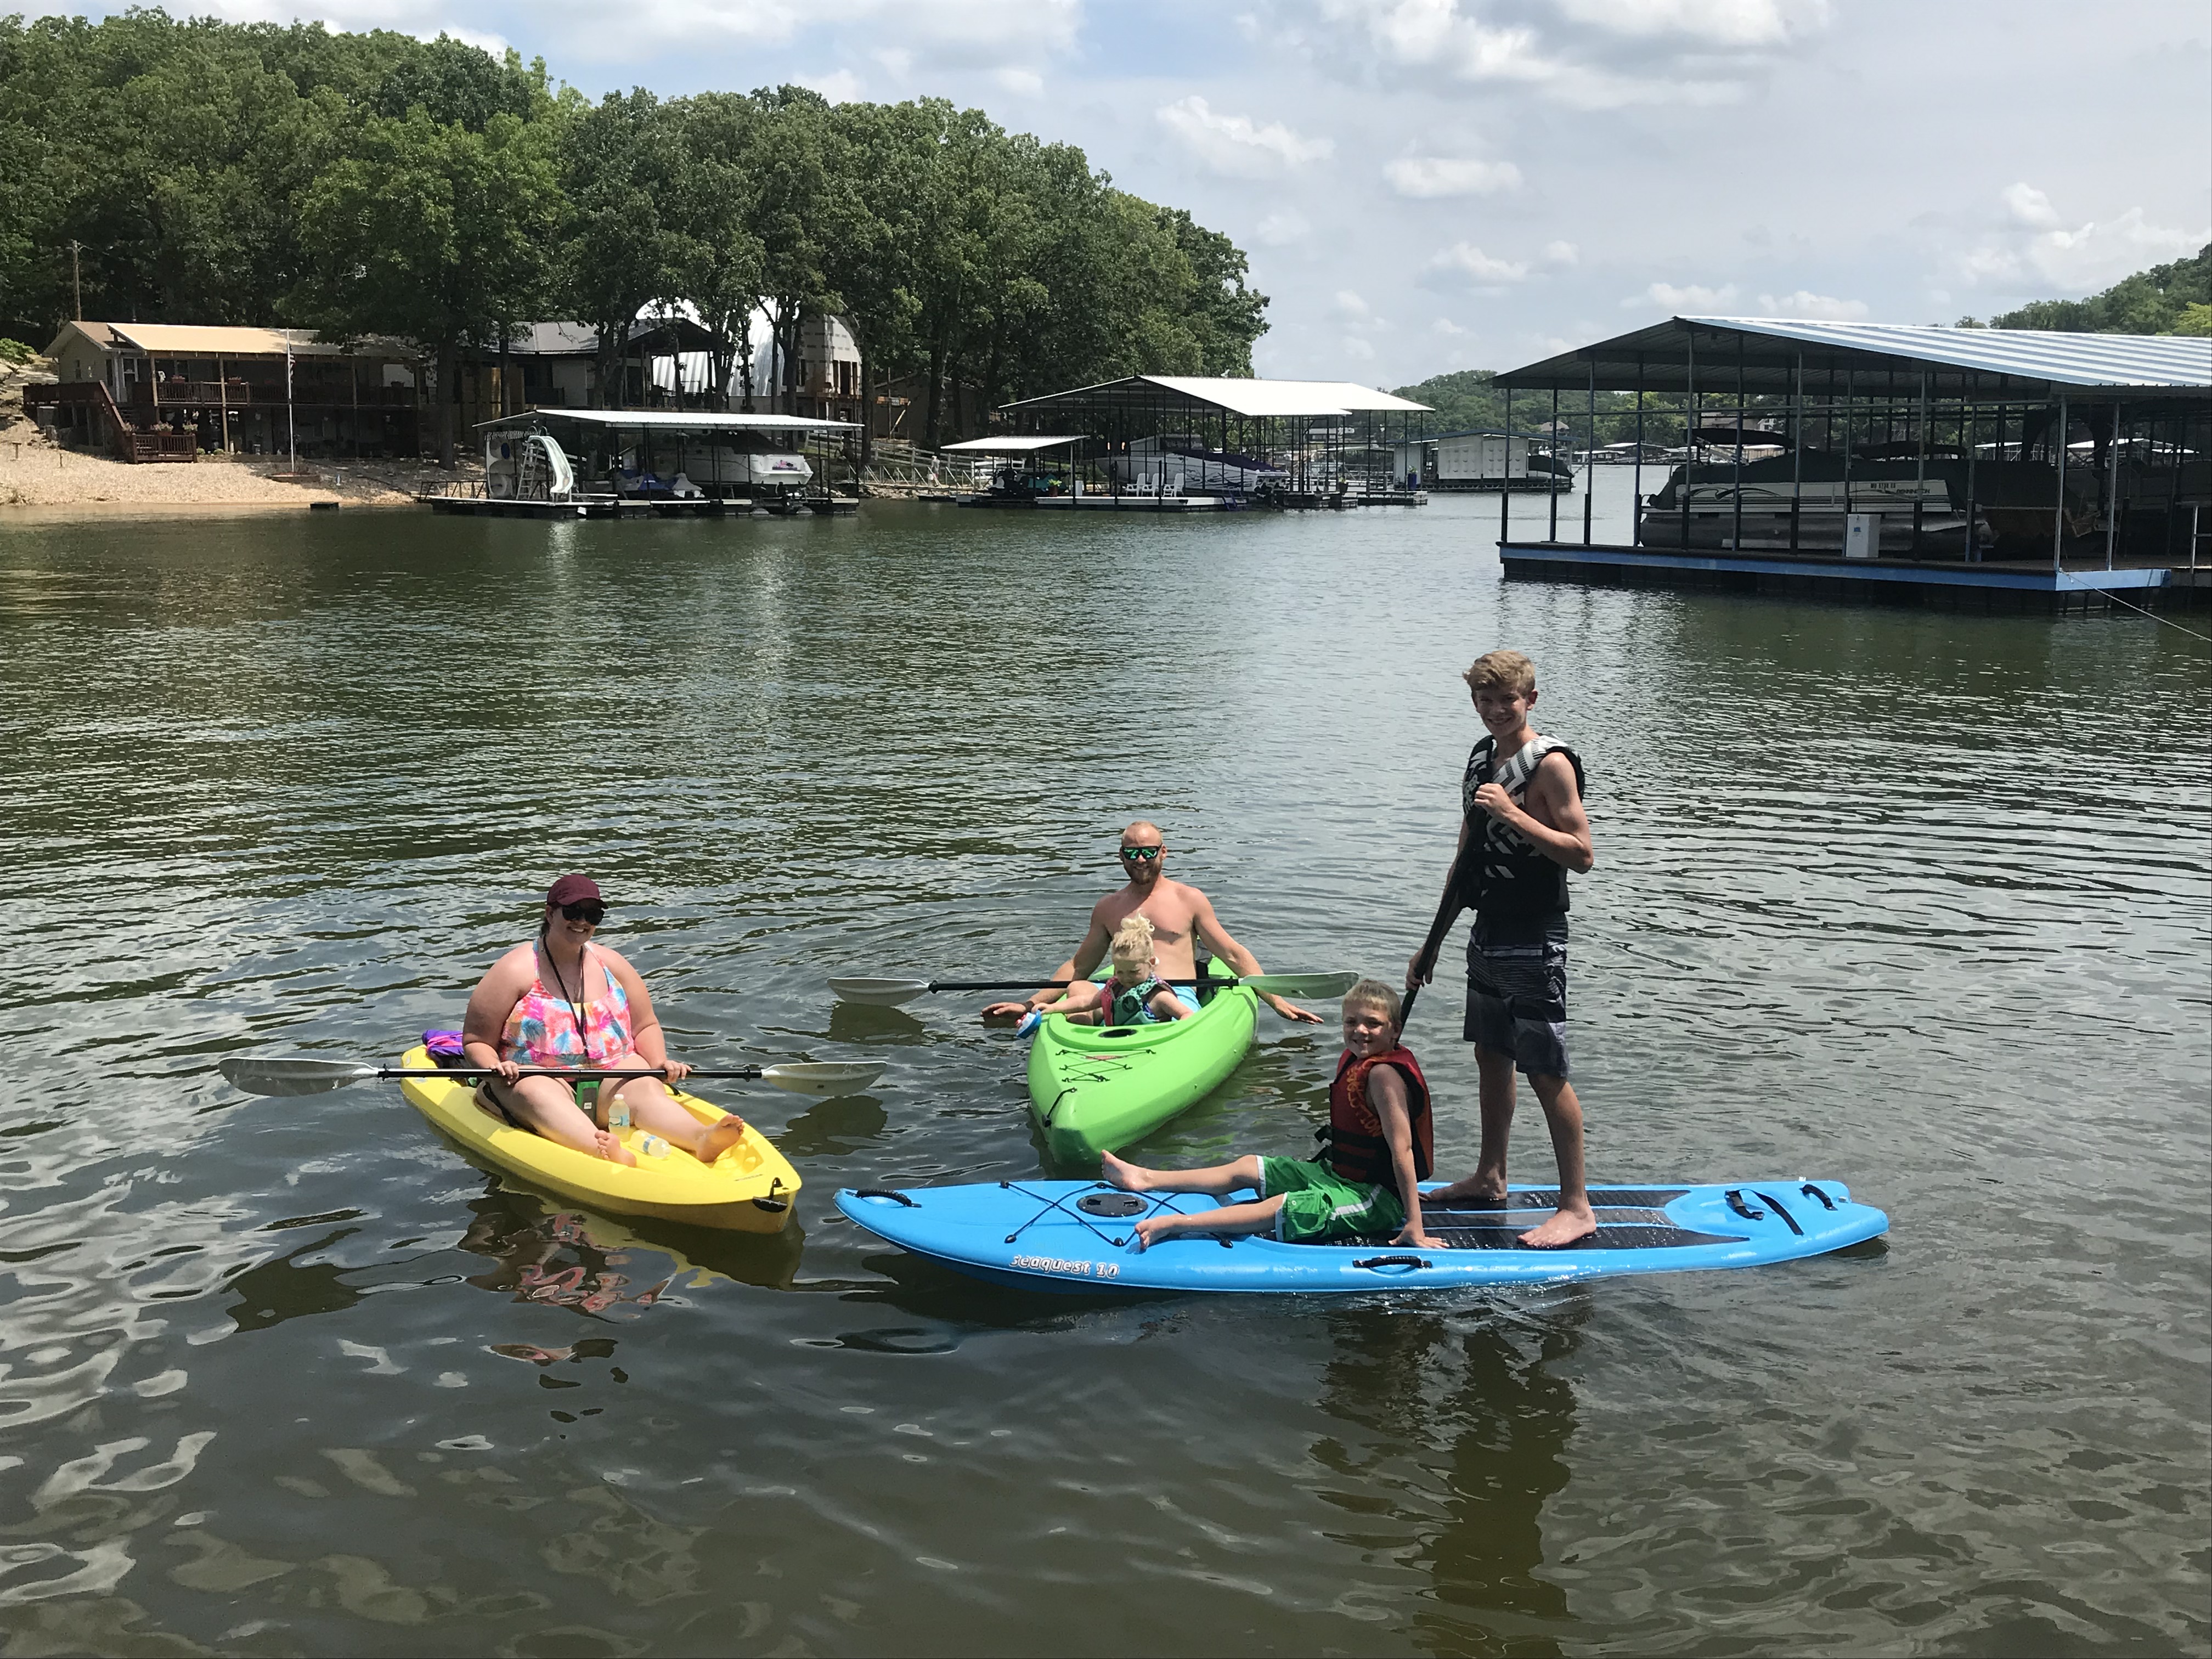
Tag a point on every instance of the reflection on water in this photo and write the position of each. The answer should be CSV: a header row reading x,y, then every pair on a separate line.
x,y
1915,902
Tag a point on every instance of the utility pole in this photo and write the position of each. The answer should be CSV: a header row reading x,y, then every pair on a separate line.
x,y
291,425
76,278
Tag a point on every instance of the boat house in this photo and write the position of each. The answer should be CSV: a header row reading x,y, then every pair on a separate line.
x,y
167,392
1980,466
1188,442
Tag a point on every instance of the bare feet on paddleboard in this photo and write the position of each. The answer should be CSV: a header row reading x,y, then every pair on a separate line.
x,y
1564,1228
1129,1177
1475,1192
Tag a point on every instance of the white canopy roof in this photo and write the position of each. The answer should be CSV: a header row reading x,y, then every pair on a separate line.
x,y
677,420
1007,445
1255,399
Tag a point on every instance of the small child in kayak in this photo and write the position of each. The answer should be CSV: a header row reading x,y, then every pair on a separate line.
x,y
1380,1146
1135,994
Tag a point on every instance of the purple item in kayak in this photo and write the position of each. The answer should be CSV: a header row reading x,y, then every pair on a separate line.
x,y
445,1047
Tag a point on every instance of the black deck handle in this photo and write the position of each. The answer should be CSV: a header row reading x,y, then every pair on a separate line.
x,y
1811,1191
885,1192
1735,1202
1392,1261
1789,1221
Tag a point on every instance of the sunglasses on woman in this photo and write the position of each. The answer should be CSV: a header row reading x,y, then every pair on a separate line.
x,y
1141,854
589,910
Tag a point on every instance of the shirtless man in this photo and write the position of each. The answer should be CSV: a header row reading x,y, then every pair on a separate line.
x,y
1179,913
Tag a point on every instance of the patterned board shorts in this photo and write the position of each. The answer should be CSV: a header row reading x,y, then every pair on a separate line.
x,y
1516,992
1319,1204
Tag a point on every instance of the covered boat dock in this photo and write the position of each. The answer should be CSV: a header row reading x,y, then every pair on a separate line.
x,y
1978,468
1185,443
638,463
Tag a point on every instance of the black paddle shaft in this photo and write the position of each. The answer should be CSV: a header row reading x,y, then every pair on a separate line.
x,y
478,1075
1448,912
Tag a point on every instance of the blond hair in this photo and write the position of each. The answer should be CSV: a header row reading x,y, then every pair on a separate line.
x,y
1502,671
1375,994
1132,942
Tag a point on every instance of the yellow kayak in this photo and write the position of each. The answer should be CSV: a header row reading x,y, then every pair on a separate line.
x,y
751,1188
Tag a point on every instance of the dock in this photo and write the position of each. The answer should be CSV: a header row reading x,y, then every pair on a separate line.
x,y
632,507
1990,587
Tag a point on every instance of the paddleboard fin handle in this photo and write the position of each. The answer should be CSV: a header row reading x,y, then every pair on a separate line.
x,y
886,1192
1735,1202
1392,1262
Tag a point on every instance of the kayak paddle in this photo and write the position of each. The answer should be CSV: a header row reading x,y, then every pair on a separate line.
x,y
1448,912
316,1077
890,993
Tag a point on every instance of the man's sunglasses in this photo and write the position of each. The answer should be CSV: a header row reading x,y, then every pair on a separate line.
x,y
589,910
1142,854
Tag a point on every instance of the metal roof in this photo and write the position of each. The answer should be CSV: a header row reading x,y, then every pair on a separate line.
x,y
1253,398
677,420
1977,364
1007,446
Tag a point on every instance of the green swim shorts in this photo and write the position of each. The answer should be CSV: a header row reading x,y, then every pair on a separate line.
x,y
1319,1204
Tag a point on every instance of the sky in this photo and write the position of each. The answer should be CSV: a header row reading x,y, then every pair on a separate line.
x,y
1433,185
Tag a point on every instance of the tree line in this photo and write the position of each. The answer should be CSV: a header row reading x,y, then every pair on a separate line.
x,y
192,171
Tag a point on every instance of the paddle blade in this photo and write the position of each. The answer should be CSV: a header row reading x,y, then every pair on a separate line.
x,y
1301,985
884,993
826,1077
293,1077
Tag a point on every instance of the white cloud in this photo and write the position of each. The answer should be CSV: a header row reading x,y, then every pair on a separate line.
x,y
1351,305
1281,229
1445,327
1723,22
1353,346
1427,176
2030,206
1464,259
1022,82
2070,261
1813,307
839,86
1562,253
1237,145
1667,297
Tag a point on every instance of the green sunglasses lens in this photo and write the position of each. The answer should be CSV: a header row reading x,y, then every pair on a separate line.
x,y
1145,854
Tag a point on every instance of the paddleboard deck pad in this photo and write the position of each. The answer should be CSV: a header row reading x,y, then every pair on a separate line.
x,y
1079,1235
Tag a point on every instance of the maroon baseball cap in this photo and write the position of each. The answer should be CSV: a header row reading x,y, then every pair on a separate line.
x,y
574,890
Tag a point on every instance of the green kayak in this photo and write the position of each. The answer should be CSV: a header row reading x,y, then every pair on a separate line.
x,y
1095,1089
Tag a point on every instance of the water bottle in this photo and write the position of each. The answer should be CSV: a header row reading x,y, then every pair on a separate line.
x,y
618,1114
651,1146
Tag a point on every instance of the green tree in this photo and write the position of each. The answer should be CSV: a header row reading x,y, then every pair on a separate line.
x,y
2150,302
433,232
623,173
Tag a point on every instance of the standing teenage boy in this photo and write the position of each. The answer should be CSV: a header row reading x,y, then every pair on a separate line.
x,y
1522,828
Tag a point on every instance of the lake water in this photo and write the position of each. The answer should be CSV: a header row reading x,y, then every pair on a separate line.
x,y
1917,903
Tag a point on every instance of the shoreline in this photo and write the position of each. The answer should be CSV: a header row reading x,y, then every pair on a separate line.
x,y
40,480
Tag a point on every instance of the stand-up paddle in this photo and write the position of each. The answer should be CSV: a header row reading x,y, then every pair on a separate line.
x,y
315,1077
1448,912
890,993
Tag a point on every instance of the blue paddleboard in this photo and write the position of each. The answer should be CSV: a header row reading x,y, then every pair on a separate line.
x,y
1077,1235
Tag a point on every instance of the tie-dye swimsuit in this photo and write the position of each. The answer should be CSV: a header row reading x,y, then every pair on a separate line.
x,y
541,1029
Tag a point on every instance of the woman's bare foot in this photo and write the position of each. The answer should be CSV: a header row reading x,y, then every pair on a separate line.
x,y
714,1141
1565,1227
1129,1177
608,1147
1148,1229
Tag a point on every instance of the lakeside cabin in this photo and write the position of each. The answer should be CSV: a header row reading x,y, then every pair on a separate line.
x,y
170,391
1990,467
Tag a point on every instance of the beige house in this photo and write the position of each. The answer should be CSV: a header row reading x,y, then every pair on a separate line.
x,y
251,390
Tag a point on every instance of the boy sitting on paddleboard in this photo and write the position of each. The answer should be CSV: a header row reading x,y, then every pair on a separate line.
x,y
1381,1146
1134,995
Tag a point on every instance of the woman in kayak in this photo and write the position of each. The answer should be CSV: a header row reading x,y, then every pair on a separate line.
x,y
562,1001
1135,994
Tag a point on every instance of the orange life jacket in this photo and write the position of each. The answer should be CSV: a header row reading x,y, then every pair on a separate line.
x,y
1355,1148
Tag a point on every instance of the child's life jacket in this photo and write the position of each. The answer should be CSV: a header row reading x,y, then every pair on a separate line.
x,y
1352,1143
1133,1005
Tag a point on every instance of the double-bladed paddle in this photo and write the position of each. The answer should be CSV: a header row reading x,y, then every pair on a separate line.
x,y
1448,911
890,993
316,1077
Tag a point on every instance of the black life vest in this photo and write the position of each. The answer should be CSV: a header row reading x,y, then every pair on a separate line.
x,y
1352,1144
1504,874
